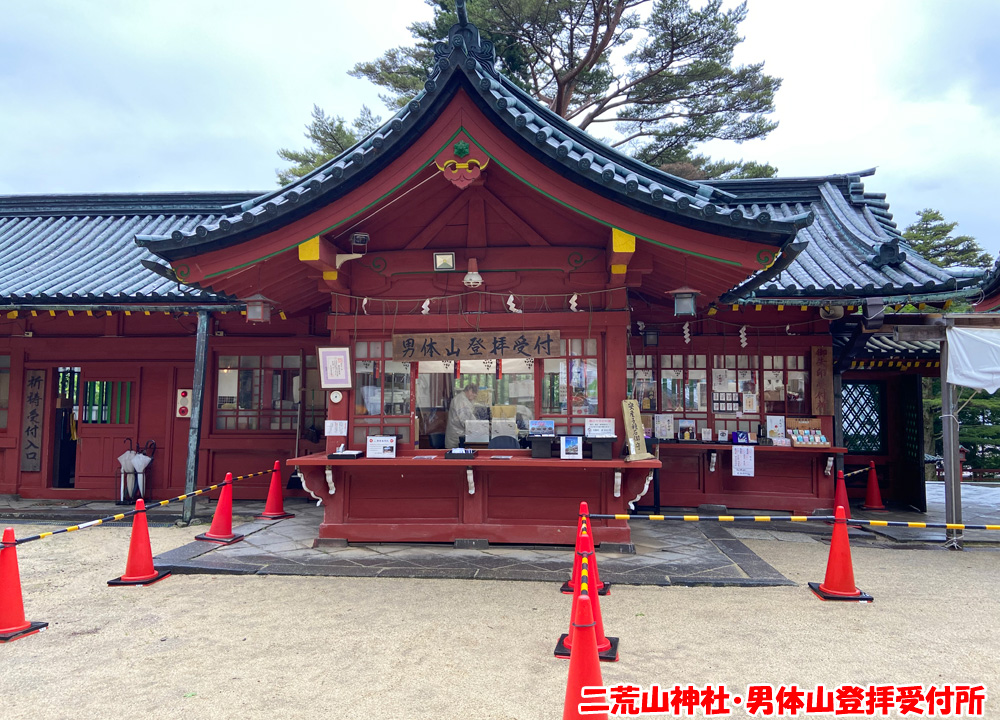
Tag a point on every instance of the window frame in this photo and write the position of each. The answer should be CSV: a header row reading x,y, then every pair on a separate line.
x,y
570,423
719,349
384,424
313,413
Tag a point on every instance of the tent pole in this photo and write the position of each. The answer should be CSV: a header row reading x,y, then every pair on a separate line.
x,y
952,466
197,402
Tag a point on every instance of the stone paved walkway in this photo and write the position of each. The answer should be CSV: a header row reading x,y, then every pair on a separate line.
x,y
666,554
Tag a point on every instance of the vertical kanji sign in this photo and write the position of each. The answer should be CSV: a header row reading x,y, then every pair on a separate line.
x,y
31,428
822,380
635,437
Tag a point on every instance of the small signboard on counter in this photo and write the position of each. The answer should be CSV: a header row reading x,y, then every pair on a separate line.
x,y
571,447
381,446
542,428
663,427
599,427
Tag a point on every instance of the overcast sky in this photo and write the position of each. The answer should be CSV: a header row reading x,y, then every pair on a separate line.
x,y
123,95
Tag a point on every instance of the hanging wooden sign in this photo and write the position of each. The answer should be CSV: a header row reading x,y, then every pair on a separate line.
x,y
31,433
822,381
485,345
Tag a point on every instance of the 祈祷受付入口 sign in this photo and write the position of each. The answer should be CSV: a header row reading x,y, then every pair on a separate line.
x,y
486,345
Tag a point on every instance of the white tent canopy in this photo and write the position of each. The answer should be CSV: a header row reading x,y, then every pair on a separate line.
x,y
974,358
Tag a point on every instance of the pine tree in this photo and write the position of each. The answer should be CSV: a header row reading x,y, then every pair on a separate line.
x,y
680,86
932,237
330,136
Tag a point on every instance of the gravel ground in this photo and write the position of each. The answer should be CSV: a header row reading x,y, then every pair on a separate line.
x,y
201,646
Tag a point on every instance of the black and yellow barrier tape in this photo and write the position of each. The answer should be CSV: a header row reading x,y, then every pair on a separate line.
x,y
130,513
797,518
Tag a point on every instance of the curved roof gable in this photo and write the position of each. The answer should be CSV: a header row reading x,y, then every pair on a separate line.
x,y
466,60
853,249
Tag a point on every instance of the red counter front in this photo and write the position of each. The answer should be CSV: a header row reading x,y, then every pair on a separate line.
x,y
784,478
512,499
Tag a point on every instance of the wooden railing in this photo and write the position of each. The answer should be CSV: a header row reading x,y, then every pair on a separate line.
x,y
974,474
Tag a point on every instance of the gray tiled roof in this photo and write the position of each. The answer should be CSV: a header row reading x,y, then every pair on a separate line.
x,y
852,250
466,60
79,249
879,347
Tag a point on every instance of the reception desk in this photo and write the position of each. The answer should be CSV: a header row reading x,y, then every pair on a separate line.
x,y
502,496
785,478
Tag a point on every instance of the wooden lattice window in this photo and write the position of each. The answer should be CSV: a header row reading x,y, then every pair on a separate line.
x,y
864,417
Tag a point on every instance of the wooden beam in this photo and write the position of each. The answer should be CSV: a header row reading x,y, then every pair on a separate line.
x,y
621,248
476,229
527,233
444,217
917,333
318,253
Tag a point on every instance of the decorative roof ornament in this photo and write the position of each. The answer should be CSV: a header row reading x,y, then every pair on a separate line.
x,y
465,36
888,254
463,163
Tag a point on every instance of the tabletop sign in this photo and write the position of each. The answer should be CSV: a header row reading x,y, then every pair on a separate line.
x,y
486,345
34,406
634,435
542,428
743,460
381,446
599,427
663,427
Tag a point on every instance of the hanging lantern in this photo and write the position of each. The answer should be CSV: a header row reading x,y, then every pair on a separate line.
x,y
685,300
258,308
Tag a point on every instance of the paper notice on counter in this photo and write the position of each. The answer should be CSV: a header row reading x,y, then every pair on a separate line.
x,y
743,460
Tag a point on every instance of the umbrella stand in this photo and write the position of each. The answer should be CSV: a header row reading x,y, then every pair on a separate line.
x,y
141,461
127,483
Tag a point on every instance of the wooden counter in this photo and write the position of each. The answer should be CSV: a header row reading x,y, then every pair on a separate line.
x,y
785,478
508,499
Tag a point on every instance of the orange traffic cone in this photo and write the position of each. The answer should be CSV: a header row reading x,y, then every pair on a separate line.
x,y
12,622
839,582
569,587
139,568
840,495
873,498
221,531
584,666
607,647
274,508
